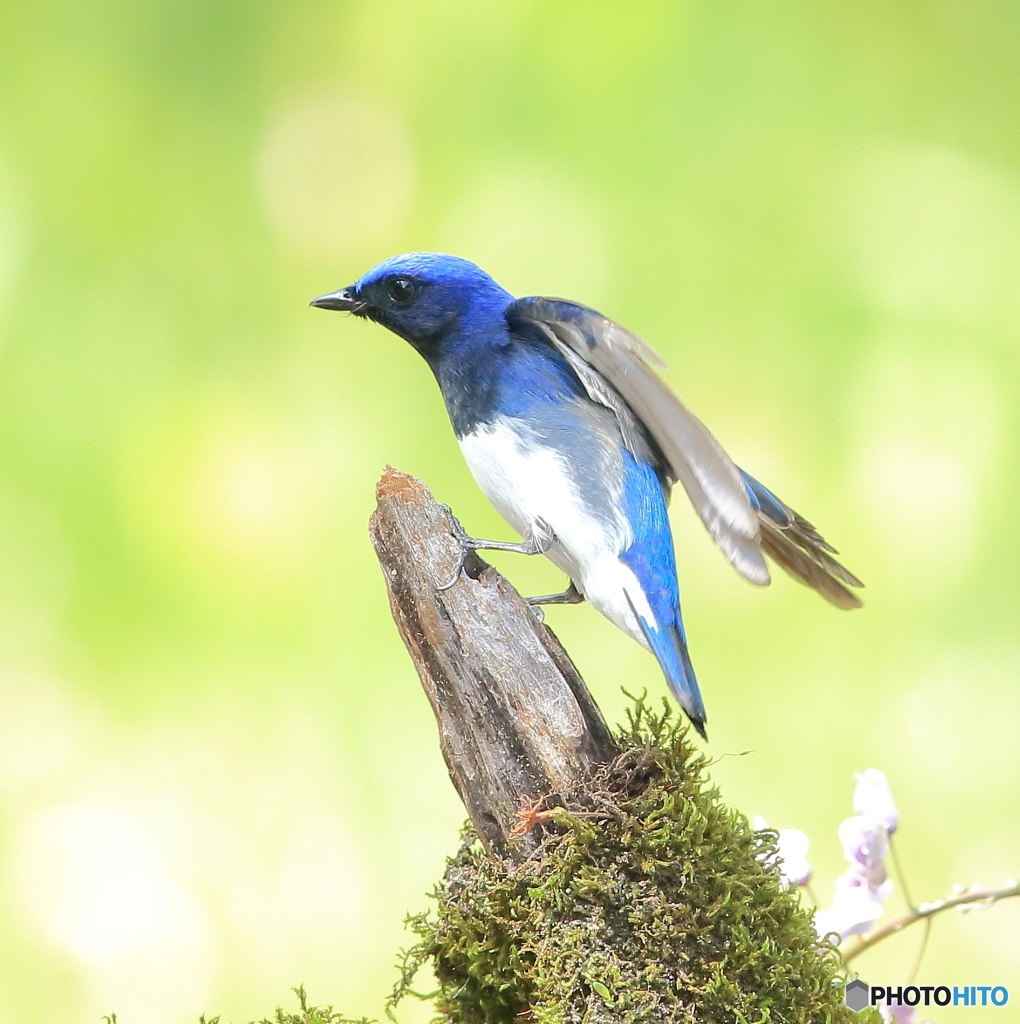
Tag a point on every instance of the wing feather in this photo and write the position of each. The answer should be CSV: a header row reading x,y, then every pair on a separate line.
x,y
790,540
744,517
603,353
803,565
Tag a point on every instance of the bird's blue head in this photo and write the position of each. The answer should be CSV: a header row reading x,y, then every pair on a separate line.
x,y
425,297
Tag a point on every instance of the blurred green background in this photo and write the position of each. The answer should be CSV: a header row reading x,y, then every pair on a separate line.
x,y
218,774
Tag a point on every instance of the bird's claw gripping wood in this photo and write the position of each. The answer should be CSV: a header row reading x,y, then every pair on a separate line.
x,y
569,596
536,542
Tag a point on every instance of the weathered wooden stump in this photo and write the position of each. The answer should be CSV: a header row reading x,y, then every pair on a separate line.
x,y
516,722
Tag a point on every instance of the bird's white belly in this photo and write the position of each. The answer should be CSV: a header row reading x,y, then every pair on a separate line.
x,y
527,481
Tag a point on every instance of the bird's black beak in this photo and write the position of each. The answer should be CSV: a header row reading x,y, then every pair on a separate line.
x,y
343,300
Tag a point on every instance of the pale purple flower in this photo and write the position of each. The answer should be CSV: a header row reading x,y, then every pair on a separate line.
x,y
873,798
865,842
864,886
856,904
793,863
899,1014
791,854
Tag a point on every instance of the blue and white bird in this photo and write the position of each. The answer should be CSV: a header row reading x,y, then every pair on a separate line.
x,y
577,441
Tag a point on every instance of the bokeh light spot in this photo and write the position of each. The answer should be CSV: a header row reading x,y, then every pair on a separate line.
x,y
337,173
936,233
97,885
41,728
931,429
96,882
958,715
533,230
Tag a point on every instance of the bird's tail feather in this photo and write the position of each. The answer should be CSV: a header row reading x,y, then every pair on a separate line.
x,y
669,645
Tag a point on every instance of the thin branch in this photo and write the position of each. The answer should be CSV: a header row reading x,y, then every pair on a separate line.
x,y
899,873
928,910
928,922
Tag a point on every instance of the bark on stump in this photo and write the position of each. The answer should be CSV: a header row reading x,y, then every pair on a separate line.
x,y
516,722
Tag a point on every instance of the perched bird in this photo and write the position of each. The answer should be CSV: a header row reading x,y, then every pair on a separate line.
x,y
577,441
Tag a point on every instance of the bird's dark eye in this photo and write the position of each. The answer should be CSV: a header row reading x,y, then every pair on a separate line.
x,y
400,290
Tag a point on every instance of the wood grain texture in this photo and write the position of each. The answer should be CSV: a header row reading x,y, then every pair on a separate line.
x,y
516,722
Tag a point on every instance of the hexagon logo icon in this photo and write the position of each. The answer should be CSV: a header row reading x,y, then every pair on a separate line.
x,y
856,995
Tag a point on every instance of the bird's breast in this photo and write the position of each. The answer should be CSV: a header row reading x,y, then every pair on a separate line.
x,y
576,492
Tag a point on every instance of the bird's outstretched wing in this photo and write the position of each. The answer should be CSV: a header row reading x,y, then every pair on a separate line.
x,y
607,359
743,517
789,539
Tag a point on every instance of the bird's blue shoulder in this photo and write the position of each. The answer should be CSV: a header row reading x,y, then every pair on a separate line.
x,y
497,369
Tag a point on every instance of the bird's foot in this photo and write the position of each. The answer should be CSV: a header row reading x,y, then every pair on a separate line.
x,y
462,539
536,541
569,596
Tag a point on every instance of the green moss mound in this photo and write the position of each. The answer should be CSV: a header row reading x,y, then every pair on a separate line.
x,y
306,1015
648,901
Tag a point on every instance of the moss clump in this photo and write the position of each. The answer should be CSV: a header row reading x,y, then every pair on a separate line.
x,y
647,901
308,1014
